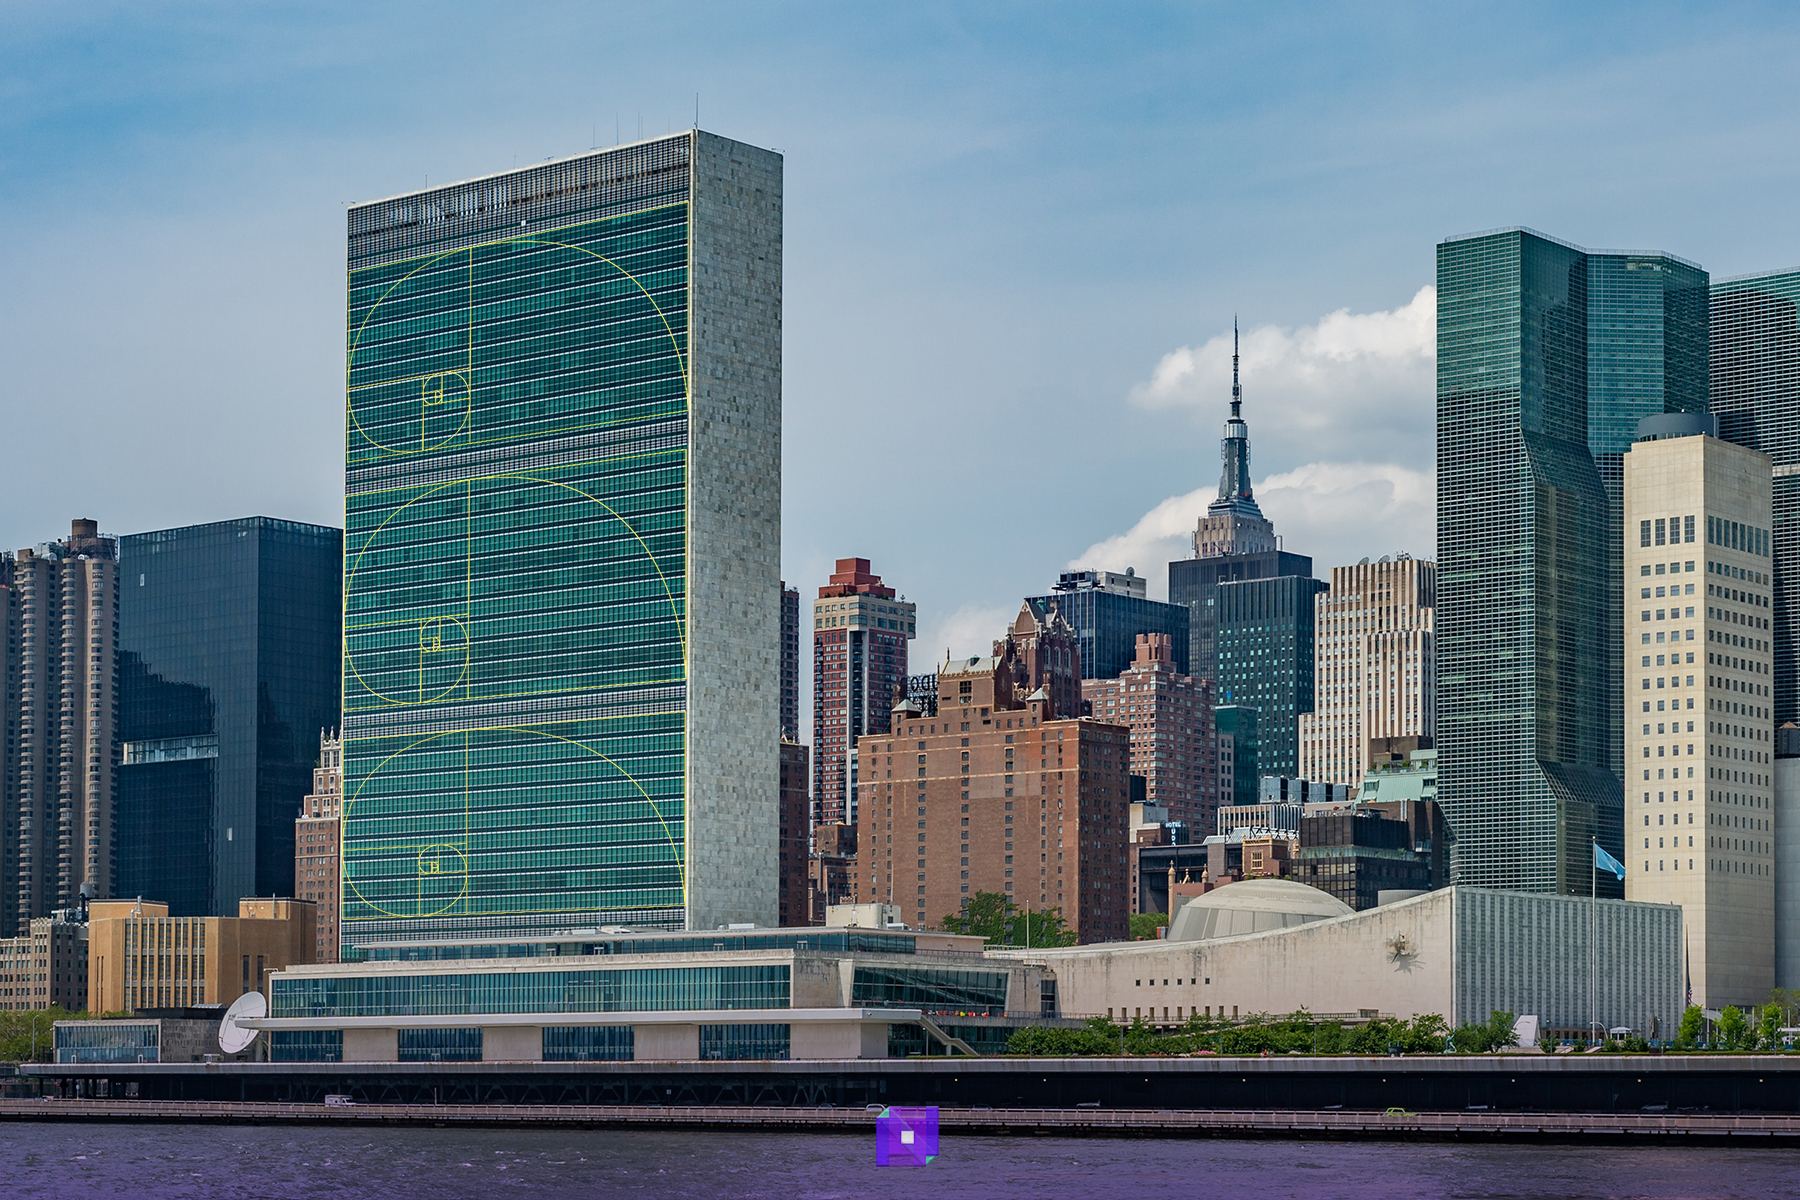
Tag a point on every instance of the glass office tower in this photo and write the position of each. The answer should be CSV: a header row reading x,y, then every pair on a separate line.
x,y
228,670
1524,724
1266,649
1755,366
1646,340
562,505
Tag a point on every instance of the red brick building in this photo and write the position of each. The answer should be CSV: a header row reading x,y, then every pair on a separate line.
x,y
1174,745
997,793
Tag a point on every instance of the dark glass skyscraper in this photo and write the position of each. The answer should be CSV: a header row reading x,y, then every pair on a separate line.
x,y
561,666
1756,396
1525,703
1108,611
228,669
1646,354
1266,657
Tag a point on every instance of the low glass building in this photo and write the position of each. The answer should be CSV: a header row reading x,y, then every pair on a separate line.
x,y
589,995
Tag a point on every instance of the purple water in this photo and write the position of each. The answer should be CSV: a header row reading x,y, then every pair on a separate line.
x,y
73,1162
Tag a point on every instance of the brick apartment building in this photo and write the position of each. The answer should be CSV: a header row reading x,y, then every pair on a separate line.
x,y
998,793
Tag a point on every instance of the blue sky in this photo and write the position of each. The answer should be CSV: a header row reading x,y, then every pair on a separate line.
x,y
1015,239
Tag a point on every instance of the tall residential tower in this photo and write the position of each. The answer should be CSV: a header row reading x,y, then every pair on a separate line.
x,y
60,725
563,507
860,631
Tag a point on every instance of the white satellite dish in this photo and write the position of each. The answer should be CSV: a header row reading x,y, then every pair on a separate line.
x,y
233,1037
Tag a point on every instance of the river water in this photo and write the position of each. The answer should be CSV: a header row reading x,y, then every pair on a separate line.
x,y
74,1162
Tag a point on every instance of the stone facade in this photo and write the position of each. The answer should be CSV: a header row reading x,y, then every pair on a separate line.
x,y
1374,665
734,534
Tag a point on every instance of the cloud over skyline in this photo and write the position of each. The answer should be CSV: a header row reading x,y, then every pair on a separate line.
x,y
1344,407
1351,386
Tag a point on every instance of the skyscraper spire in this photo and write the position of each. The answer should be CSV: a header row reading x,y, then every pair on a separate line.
x,y
1237,391
1233,523
1235,492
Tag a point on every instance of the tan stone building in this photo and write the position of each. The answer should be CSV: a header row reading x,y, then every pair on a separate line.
x,y
141,957
60,724
1374,664
997,794
1173,743
317,863
1699,727
44,967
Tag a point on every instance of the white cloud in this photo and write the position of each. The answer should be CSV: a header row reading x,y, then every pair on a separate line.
x,y
1164,533
967,632
1351,386
1340,512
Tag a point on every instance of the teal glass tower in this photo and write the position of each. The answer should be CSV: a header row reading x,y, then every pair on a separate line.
x,y
562,504
1526,707
1266,638
1755,369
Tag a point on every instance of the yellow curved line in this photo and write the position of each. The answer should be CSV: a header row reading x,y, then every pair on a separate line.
x,y
356,340
350,801
350,575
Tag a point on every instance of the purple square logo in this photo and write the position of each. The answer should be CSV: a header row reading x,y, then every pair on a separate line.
x,y
906,1137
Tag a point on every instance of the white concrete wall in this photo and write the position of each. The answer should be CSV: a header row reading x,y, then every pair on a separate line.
x,y
661,1042
371,1045
1341,965
512,1043
734,534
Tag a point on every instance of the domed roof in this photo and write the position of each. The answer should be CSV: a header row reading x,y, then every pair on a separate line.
x,y
1253,906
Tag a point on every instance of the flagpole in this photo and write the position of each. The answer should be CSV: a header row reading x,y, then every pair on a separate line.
x,y
1594,932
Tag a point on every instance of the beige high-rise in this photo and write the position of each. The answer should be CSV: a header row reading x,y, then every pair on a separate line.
x,y
1699,735
63,712
1374,665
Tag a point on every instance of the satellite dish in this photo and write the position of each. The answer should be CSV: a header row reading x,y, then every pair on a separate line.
x,y
233,1037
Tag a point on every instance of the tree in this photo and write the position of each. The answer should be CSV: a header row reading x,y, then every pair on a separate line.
x,y
1691,1034
1145,925
1495,1033
1734,1030
993,916
1768,1027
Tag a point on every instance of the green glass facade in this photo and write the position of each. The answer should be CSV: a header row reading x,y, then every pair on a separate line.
x,y
470,993
1265,640
1524,696
535,563
1646,354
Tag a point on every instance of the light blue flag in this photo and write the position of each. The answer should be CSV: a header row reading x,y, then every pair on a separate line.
x,y
1606,862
